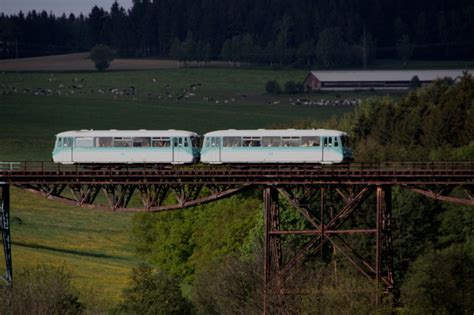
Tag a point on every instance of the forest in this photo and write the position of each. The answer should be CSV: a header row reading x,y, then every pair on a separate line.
x,y
300,33
212,255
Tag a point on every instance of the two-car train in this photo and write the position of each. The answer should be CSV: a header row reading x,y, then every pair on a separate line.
x,y
218,147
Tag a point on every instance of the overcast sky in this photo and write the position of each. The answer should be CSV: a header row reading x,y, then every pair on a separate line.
x,y
58,6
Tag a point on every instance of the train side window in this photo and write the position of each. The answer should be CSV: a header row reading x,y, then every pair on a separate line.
x,y
325,142
291,141
141,142
336,141
310,141
229,142
59,142
103,142
160,142
186,141
207,142
84,142
271,141
122,142
252,142
329,141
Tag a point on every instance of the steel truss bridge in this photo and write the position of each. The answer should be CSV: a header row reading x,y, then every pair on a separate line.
x,y
326,197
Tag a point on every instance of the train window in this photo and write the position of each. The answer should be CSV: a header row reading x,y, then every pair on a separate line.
x,y
310,141
85,142
160,142
271,141
208,142
59,142
325,142
186,141
141,142
122,142
103,142
329,141
290,141
336,141
195,142
232,142
67,142
215,142
252,142
345,141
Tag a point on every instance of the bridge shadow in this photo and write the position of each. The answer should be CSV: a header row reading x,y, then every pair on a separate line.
x,y
68,251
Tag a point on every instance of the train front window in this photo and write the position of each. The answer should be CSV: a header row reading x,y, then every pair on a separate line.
x,y
336,141
310,141
215,142
345,141
59,142
195,142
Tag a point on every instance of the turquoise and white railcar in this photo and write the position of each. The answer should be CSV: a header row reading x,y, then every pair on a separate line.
x,y
276,146
126,147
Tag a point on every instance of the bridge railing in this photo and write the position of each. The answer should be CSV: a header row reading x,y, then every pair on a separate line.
x,y
9,166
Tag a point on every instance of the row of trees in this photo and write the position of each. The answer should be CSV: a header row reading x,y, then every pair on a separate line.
x,y
282,32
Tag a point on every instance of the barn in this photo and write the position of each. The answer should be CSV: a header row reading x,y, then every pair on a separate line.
x,y
373,79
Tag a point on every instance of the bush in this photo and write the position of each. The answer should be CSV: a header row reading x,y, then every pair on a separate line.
x,y
153,292
272,87
290,87
41,290
102,56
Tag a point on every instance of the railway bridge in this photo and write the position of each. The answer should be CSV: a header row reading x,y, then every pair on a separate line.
x,y
325,196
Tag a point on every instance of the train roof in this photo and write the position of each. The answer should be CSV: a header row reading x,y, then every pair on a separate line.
x,y
275,132
126,133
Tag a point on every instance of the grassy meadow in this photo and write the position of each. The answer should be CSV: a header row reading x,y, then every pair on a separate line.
x,y
96,245
35,106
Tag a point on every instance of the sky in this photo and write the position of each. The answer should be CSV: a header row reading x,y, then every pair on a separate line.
x,y
58,7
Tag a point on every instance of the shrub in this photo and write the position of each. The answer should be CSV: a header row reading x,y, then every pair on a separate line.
x,y
272,87
290,87
102,56
41,290
153,292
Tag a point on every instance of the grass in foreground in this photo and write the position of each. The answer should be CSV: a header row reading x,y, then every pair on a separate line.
x,y
94,245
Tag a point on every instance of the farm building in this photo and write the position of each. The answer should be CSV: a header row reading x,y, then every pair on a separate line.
x,y
373,79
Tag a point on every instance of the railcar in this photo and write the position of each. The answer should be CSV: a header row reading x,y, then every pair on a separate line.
x,y
126,147
276,146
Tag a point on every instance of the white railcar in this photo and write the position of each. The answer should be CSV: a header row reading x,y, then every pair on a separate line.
x,y
126,147
276,146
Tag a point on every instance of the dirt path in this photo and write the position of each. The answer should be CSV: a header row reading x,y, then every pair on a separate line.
x,y
80,61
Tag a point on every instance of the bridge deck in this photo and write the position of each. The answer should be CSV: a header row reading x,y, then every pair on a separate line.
x,y
354,173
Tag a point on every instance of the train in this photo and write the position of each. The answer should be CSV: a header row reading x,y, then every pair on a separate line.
x,y
258,146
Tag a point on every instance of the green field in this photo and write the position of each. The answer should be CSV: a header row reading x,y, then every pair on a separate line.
x,y
224,98
96,245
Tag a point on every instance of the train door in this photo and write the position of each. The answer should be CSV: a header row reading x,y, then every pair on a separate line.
x,y
178,150
216,149
324,146
67,154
